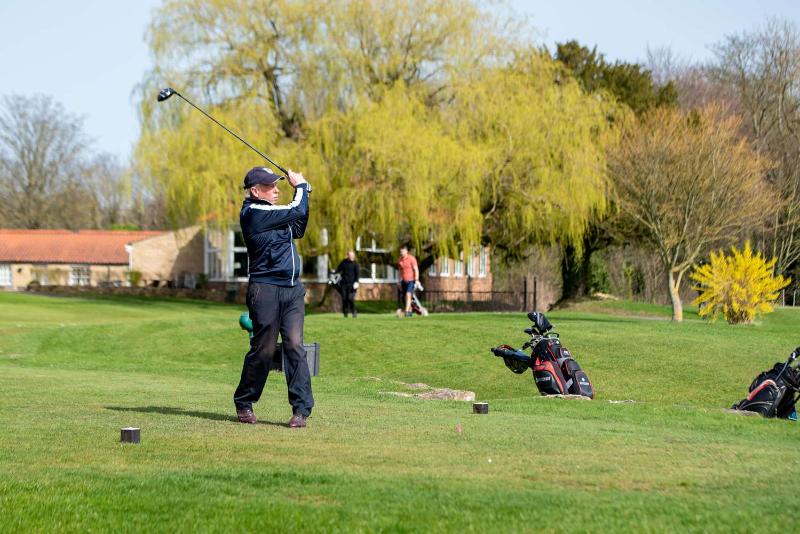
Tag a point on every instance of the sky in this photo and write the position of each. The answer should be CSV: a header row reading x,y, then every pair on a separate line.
x,y
90,54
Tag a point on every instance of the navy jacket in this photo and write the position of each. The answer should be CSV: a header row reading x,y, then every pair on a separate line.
x,y
269,231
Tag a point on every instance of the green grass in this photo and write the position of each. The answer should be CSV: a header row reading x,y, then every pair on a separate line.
x,y
627,308
74,371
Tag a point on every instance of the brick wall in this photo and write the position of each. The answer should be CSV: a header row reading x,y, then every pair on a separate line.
x,y
168,256
461,286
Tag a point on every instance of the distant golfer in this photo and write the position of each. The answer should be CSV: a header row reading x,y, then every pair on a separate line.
x,y
348,269
275,293
409,276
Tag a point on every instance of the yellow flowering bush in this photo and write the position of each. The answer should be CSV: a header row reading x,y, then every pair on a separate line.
x,y
738,287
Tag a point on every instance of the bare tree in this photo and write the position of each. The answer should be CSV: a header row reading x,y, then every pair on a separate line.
x,y
762,68
664,65
49,177
696,86
42,153
148,209
686,182
109,186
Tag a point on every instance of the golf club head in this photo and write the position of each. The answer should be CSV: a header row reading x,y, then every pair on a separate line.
x,y
166,93
540,322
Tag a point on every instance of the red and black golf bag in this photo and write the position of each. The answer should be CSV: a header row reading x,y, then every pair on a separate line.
x,y
774,393
554,369
556,372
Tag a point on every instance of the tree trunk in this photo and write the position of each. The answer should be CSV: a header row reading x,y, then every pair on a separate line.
x,y
575,272
675,296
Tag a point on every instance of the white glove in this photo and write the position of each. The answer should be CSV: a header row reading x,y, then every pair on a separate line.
x,y
355,285
418,286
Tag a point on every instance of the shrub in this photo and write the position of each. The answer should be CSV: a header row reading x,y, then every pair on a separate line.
x,y
202,281
634,280
134,277
599,281
738,287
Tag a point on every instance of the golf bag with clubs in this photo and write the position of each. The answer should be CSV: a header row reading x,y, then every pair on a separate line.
x,y
774,393
554,370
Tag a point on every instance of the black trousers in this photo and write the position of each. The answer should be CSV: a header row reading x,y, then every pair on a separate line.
x,y
276,310
348,300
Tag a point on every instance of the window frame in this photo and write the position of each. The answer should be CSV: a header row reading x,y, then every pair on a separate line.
x,y
471,263
444,267
458,266
82,279
6,268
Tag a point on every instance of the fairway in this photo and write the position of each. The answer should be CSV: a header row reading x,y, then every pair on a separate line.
x,y
74,371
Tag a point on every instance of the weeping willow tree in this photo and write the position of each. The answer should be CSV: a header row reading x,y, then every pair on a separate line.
x,y
199,165
392,170
412,118
543,143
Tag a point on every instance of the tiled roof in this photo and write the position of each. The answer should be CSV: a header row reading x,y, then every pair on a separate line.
x,y
105,247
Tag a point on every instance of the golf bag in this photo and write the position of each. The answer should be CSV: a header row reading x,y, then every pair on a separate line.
x,y
555,371
775,392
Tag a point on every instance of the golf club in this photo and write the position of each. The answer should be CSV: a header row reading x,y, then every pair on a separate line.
x,y
164,94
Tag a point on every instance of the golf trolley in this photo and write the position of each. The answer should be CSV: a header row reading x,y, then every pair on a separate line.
x,y
554,370
774,393
416,305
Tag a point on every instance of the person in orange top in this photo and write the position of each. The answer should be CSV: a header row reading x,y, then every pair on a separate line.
x,y
409,276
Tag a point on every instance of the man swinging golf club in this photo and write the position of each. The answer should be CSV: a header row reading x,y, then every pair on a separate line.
x,y
275,293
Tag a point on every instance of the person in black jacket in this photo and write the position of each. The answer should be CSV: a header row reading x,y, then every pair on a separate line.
x,y
275,295
348,284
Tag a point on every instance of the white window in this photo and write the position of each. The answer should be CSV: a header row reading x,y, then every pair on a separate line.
x,y
459,265
39,274
213,263
444,267
239,259
370,246
471,263
482,262
5,274
383,269
432,269
80,275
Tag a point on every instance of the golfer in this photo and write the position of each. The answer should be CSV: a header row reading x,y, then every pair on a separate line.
x,y
348,285
409,276
275,293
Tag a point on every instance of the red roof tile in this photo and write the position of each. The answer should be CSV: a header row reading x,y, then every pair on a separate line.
x,y
105,247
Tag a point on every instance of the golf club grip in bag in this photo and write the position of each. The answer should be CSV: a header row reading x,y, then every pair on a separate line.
x,y
773,393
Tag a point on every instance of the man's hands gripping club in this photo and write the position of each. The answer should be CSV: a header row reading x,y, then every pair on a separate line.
x,y
295,178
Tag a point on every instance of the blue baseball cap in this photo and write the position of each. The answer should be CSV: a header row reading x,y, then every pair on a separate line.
x,y
260,175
